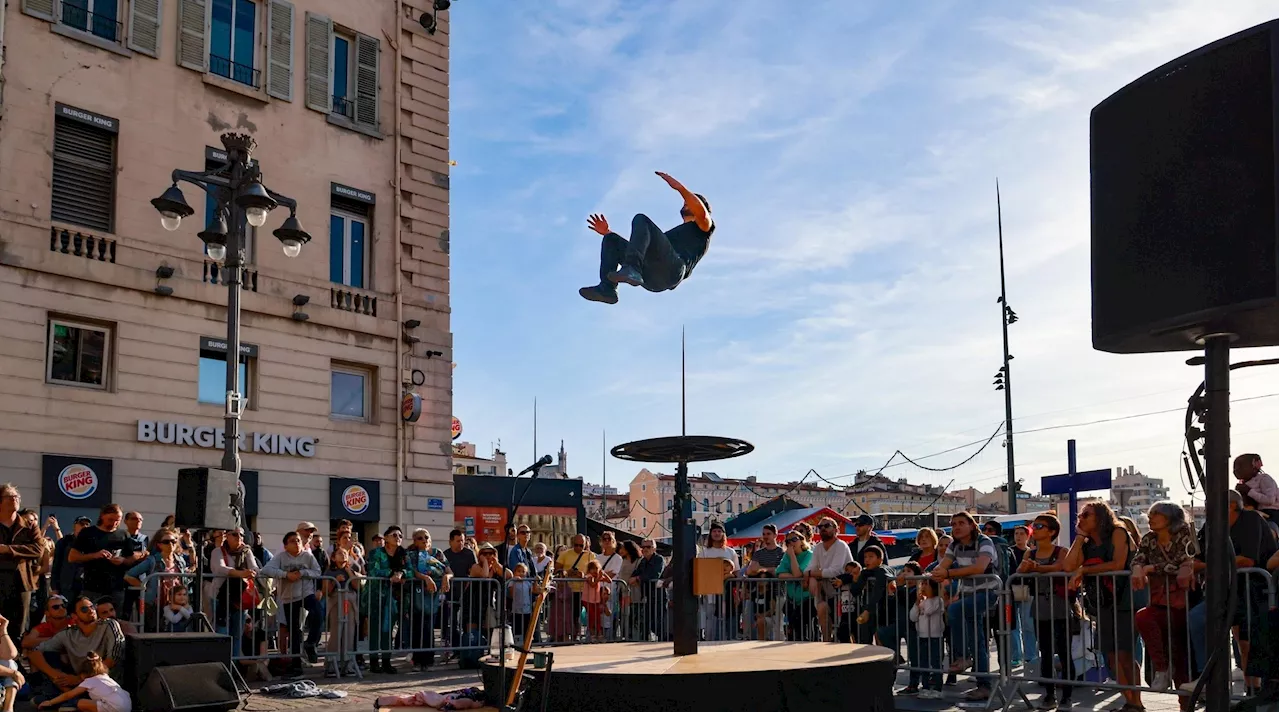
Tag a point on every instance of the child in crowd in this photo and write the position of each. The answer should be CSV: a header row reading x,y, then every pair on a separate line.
x,y
522,590
594,599
848,609
928,619
177,615
105,694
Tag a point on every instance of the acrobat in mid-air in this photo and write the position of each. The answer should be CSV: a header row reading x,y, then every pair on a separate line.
x,y
652,259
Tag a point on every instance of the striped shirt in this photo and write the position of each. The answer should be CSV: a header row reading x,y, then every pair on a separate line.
x,y
964,555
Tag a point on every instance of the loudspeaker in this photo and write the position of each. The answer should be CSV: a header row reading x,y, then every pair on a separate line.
x,y
203,687
145,652
208,499
1184,206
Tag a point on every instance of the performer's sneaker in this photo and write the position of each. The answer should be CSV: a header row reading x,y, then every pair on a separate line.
x,y
627,275
600,293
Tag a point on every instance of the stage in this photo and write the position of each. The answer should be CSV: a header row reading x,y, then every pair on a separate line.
x,y
731,676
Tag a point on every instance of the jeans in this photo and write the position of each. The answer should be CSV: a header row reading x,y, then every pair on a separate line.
x,y
1196,625
970,619
315,619
931,659
234,621
1022,640
1055,639
648,251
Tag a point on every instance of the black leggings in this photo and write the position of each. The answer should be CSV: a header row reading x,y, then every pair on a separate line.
x,y
1054,637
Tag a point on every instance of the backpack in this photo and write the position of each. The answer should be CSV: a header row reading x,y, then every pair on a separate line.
x,y
1004,565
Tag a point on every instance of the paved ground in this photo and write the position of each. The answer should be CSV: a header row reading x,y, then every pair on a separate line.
x,y
362,693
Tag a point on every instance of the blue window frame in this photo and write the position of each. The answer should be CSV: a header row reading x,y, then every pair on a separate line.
x,y
98,17
347,238
232,29
343,102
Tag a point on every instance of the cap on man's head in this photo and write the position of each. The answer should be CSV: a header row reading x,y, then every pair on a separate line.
x,y
864,520
83,520
304,526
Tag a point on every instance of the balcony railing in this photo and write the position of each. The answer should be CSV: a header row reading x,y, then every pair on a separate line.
x,y
241,73
215,274
347,300
82,244
342,106
104,26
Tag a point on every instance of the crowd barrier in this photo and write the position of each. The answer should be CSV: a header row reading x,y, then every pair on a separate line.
x,y
1098,631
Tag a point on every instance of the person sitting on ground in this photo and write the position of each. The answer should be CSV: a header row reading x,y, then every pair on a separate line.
x,y
11,679
107,611
62,655
56,619
105,694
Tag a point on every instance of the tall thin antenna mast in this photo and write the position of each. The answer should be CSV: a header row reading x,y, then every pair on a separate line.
x,y
604,468
535,427
683,430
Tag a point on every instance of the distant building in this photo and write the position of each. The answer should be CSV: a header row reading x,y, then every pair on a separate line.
x,y
558,471
997,501
603,507
1132,492
465,461
877,494
715,498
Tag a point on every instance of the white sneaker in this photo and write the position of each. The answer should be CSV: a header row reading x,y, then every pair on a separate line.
x,y
1160,681
1189,686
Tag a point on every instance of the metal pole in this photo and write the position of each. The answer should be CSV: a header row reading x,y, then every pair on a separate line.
x,y
1072,509
231,273
1218,555
684,607
1008,376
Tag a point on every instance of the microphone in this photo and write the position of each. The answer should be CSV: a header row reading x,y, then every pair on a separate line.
x,y
542,462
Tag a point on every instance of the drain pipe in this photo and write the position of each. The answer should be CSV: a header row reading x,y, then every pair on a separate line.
x,y
402,361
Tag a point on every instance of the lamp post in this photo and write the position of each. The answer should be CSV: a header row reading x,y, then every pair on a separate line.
x,y
237,190
1003,381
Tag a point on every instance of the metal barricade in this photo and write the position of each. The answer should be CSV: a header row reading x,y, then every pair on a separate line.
x,y
1111,632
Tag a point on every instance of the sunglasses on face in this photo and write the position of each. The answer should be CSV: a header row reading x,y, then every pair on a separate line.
x,y
826,526
395,536
168,541
1038,526
57,607
86,609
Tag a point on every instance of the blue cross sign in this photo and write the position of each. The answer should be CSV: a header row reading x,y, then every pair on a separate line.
x,y
1073,482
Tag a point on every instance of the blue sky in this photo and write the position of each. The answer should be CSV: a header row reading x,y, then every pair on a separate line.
x,y
847,307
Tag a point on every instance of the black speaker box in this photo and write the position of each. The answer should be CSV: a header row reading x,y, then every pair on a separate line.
x,y
207,499
145,652
198,687
1183,165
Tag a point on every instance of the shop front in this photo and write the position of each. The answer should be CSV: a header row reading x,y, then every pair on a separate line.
x,y
358,501
72,486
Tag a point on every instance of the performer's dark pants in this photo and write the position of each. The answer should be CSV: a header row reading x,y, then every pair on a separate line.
x,y
649,251
15,603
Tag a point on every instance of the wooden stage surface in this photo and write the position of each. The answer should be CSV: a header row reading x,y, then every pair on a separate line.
x,y
712,658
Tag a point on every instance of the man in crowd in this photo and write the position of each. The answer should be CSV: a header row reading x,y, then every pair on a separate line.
x,y
970,561
510,542
20,549
829,559
717,609
56,619
573,564
866,539
519,552
135,541
764,564
59,657
644,589
107,612
234,567
65,578
103,552
460,559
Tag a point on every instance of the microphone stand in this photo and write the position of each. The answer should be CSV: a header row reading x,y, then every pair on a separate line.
x,y
535,468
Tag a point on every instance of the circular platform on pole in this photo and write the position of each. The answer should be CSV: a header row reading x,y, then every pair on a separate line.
x,y
761,676
682,448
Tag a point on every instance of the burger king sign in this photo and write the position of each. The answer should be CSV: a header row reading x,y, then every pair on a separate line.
x,y
355,499
78,481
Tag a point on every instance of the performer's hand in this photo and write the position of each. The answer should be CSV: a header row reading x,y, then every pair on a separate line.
x,y
599,224
670,181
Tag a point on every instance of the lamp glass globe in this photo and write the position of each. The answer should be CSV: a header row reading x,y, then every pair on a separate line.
x,y
217,253
292,248
170,221
257,217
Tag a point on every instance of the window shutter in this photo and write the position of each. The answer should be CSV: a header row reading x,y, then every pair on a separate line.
x,y
144,27
83,175
319,32
193,50
42,9
280,50
367,81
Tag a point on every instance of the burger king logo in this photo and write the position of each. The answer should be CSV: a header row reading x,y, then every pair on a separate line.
x,y
457,428
355,499
77,482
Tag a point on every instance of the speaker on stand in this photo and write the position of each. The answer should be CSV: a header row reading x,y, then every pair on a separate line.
x,y
1183,180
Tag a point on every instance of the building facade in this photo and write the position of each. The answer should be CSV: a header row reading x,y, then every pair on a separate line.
x,y
114,350
1133,493
652,495
465,461
877,494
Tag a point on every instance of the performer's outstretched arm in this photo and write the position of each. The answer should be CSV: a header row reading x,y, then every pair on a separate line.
x,y
691,202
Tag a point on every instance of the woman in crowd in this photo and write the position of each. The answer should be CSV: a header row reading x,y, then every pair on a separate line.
x,y
168,564
1164,563
1052,606
355,555
926,548
486,593
387,567
630,557
421,608
800,611
1102,546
